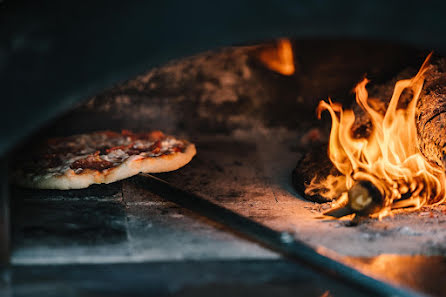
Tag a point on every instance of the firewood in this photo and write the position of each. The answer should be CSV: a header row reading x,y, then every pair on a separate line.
x,y
364,199
314,164
431,111
430,121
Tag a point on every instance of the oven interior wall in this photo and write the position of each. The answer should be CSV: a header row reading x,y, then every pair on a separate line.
x,y
230,89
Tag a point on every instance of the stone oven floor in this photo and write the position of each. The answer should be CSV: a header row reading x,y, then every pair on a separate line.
x,y
247,172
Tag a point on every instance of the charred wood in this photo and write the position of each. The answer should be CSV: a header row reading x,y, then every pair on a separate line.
x,y
431,111
314,164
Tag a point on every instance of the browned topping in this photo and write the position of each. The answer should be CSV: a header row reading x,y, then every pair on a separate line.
x,y
99,150
62,146
178,149
121,147
92,162
128,133
156,147
153,135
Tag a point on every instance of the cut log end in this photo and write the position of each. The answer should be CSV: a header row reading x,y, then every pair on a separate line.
x,y
364,199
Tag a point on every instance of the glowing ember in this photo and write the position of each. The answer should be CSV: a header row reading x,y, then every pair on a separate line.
x,y
279,58
389,159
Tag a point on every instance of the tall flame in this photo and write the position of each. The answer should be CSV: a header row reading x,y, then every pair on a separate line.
x,y
279,58
389,158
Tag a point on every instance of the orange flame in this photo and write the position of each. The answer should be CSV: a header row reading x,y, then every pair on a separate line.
x,y
279,58
326,294
389,158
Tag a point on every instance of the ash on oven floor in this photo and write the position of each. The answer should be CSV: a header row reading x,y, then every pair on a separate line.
x,y
122,224
242,172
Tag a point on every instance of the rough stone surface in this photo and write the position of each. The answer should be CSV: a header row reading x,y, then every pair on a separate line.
x,y
243,173
142,227
60,231
163,231
219,91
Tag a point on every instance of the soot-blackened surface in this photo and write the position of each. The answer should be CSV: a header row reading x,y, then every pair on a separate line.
x,y
313,165
227,89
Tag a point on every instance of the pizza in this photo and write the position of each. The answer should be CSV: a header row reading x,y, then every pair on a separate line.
x,y
79,161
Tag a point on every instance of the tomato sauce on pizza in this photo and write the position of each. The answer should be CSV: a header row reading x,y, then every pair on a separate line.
x,y
101,157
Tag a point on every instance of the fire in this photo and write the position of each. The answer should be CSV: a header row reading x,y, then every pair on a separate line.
x,y
389,158
326,294
279,58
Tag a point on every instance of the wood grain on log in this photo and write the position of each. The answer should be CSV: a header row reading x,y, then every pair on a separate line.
x,y
430,116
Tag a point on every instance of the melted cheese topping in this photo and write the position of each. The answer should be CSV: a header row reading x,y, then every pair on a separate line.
x,y
101,150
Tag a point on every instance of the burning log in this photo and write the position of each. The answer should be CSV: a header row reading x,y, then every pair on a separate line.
x,y
314,166
430,116
364,199
397,146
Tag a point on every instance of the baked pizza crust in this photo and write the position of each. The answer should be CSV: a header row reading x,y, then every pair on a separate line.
x,y
131,166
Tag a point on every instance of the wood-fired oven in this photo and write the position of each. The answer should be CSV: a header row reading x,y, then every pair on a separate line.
x,y
231,221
